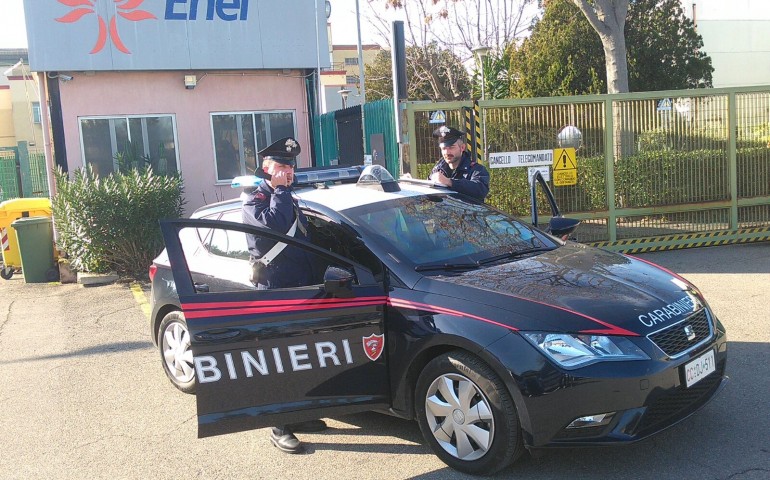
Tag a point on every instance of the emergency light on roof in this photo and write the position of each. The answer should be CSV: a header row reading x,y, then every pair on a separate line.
x,y
311,176
375,176
308,176
245,181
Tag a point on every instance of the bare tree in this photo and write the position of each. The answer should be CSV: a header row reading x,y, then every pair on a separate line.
x,y
457,25
608,18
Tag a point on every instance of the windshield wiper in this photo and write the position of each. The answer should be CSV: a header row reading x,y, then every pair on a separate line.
x,y
513,254
445,266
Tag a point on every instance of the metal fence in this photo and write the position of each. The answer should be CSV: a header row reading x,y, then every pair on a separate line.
x,y
381,140
22,173
656,170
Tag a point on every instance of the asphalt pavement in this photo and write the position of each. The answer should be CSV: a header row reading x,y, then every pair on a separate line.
x,y
83,395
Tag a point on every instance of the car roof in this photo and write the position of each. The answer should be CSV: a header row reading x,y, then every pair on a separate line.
x,y
346,196
338,197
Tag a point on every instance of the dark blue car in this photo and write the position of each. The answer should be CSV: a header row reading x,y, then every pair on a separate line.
x,y
494,335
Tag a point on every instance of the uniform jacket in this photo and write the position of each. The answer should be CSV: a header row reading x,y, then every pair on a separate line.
x,y
470,178
276,209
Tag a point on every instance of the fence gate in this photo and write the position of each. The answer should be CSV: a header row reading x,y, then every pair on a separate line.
x,y
350,141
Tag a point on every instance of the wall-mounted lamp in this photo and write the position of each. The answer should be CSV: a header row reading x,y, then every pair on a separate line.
x,y
190,81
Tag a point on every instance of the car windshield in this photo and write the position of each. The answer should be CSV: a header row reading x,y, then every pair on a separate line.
x,y
444,232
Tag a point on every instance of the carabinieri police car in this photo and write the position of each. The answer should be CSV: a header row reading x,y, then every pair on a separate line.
x,y
494,335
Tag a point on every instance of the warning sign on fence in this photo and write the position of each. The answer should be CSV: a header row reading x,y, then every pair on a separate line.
x,y
564,167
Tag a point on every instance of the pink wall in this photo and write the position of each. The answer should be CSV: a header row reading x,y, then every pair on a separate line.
x,y
139,93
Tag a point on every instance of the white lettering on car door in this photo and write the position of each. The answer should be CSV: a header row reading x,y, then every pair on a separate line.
x,y
206,369
326,350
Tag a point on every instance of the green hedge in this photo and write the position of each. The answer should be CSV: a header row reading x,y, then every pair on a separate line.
x,y
111,223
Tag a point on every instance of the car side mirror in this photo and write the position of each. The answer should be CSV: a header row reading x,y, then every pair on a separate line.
x,y
561,226
338,282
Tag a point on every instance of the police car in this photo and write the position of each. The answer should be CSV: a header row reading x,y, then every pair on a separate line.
x,y
494,335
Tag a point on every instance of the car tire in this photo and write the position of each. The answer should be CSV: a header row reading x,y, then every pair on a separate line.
x,y
176,352
479,431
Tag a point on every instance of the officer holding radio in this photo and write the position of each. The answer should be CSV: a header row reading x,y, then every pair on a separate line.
x,y
276,265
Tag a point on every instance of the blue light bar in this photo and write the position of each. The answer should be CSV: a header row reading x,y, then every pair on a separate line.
x,y
322,175
245,181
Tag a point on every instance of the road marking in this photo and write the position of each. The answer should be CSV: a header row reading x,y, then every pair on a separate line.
x,y
141,299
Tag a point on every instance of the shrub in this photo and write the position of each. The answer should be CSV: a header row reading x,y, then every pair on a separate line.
x,y
111,223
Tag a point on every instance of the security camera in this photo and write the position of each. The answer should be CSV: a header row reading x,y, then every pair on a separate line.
x,y
65,78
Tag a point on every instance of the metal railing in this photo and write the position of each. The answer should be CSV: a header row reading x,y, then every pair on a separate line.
x,y
656,170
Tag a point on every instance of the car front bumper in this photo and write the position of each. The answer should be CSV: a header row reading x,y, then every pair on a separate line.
x,y
643,397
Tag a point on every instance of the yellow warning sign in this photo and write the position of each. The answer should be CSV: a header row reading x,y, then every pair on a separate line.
x,y
564,167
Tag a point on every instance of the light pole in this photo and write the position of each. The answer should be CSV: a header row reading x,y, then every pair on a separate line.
x,y
481,52
344,92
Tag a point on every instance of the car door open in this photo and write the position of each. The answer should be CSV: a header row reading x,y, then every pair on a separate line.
x,y
270,357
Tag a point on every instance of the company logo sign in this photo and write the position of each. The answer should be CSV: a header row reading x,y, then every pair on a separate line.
x,y
107,25
127,10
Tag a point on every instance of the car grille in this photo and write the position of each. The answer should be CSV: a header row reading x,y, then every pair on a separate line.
x,y
680,402
673,340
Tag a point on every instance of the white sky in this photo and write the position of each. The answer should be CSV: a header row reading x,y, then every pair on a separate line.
x,y
13,34
343,19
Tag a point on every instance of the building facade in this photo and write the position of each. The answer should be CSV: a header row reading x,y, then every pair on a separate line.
x,y
189,86
20,113
735,37
343,75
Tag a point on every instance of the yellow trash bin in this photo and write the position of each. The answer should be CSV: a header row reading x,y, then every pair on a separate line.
x,y
11,210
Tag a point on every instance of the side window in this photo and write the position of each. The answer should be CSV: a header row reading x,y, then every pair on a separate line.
x,y
227,243
338,239
225,267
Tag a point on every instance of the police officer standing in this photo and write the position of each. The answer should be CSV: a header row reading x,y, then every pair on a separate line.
x,y
456,169
271,205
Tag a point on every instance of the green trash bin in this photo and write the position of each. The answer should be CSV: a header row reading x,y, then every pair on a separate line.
x,y
35,235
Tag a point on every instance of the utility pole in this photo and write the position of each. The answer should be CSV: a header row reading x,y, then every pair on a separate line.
x,y
362,87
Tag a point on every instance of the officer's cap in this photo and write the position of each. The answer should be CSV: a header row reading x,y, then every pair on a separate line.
x,y
447,136
282,151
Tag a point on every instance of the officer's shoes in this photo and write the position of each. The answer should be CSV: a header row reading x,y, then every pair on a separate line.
x,y
310,426
285,441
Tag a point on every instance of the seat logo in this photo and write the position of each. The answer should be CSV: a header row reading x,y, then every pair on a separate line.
x,y
690,332
373,346
127,9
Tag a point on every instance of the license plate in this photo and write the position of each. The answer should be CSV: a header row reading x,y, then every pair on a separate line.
x,y
699,368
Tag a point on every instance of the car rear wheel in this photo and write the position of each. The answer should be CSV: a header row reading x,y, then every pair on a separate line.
x,y
467,415
176,351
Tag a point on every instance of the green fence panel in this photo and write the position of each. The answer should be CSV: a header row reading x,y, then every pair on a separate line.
x,y
379,120
9,176
326,149
650,164
38,176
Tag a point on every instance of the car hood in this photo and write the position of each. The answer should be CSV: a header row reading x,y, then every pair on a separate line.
x,y
578,289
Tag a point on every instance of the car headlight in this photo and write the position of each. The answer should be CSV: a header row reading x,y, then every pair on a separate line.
x,y
574,351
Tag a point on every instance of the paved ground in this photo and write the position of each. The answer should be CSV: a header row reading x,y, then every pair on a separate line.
x,y
82,395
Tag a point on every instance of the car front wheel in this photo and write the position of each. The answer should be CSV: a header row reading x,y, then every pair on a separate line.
x,y
176,351
467,415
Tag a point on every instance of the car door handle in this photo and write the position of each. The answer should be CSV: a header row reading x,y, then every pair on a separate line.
x,y
201,287
217,335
